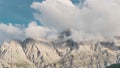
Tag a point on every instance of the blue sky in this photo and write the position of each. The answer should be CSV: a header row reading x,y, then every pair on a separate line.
x,y
19,11
91,17
16,11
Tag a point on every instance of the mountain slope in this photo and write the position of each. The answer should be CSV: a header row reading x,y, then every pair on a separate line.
x,y
61,53
13,54
40,53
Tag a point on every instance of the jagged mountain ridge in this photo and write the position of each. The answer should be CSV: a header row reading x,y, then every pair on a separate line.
x,y
43,53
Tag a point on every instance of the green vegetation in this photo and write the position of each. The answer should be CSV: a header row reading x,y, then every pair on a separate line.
x,y
114,66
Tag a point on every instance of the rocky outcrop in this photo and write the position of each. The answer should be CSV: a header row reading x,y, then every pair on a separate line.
x,y
43,53
13,55
40,52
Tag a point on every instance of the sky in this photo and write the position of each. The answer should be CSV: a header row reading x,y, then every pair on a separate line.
x,y
16,11
86,19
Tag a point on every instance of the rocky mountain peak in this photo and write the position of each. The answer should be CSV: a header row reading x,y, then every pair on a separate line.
x,y
43,53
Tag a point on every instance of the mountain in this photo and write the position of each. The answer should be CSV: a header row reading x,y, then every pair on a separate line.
x,y
40,52
13,55
60,53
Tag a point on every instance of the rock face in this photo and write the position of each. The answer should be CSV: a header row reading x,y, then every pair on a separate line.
x,y
40,53
13,55
58,54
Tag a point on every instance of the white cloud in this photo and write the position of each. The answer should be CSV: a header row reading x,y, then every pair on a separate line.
x,y
81,36
35,31
96,17
39,32
95,20
9,31
9,28
55,13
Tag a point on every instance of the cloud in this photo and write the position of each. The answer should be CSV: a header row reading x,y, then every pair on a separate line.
x,y
35,31
40,32
87,20
9,28
78,36
95,17
9,31
51,13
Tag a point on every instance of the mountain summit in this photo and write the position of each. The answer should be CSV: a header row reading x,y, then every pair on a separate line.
x,y
33,53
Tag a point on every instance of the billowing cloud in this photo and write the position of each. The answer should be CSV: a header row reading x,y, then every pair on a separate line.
x,y
9,31
40,32
87,20
35,31
94,17
78,36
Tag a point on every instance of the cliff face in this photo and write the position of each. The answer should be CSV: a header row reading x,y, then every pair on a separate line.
x,y
58,54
